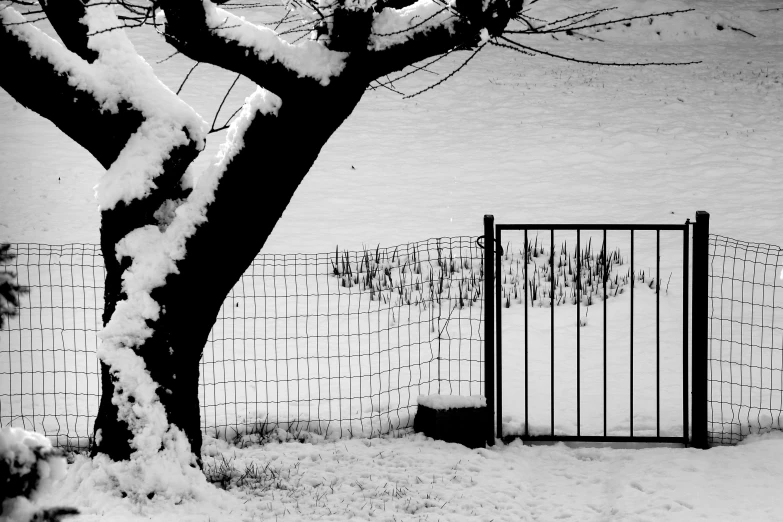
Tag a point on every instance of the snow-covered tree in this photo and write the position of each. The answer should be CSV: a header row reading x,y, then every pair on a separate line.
x,y
159,235
160,232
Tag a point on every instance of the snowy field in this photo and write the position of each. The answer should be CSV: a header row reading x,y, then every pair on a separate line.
x,y
530,140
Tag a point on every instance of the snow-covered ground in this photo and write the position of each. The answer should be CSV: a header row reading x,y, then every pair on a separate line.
x,y
415,478
527,139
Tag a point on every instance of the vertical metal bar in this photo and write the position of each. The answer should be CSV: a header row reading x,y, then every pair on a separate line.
x,y
632,285
489,325
700,332
658,333
552,335
499,335
578,330
526,330
685,285
605,276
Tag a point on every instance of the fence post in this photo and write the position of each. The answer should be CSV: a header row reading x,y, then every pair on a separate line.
x,y
489,324
700,331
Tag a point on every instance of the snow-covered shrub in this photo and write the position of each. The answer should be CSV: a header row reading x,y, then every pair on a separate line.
x,y
9,290
28,466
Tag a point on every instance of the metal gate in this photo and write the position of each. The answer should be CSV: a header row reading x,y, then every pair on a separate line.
x,y
554,286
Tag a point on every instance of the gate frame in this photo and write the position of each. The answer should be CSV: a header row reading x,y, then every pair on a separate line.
x,y
694,424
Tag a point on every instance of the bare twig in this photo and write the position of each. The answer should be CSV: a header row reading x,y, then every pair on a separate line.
x,y
25,22
576,27
417,68
452,73
228,121
169,57
518,46
186,78
516,49
282,20
386,86
587,15
212,128
741,31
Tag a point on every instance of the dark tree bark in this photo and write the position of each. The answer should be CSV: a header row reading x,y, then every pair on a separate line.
x,y
194,295
65,16
116,223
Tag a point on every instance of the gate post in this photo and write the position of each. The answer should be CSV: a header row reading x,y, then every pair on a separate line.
x,y
489,324
700,331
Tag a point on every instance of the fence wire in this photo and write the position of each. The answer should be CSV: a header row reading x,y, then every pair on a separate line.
x,y
340,344
343,343
745,340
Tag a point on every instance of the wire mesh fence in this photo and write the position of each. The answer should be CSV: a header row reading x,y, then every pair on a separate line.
x,y
343,343
339,344
49,375
745,341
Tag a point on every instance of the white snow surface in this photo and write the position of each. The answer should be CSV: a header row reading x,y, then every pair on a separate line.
x,y
395,26
530,140
437,401
414,478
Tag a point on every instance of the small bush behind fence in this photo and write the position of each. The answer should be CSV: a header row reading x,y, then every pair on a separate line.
x,y
339,343
745,372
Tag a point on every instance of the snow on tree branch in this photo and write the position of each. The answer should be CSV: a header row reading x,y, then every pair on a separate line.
x,y
395,26
307,58
44,47
169,121
427,28
117,78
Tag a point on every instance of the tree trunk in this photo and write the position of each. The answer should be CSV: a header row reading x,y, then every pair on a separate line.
x,y
249,200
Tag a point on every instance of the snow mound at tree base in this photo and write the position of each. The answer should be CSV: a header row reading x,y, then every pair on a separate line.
x,y
142,480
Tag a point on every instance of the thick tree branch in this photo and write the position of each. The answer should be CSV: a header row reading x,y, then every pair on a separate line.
x,y
46,89
429,28
211,35
65,16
